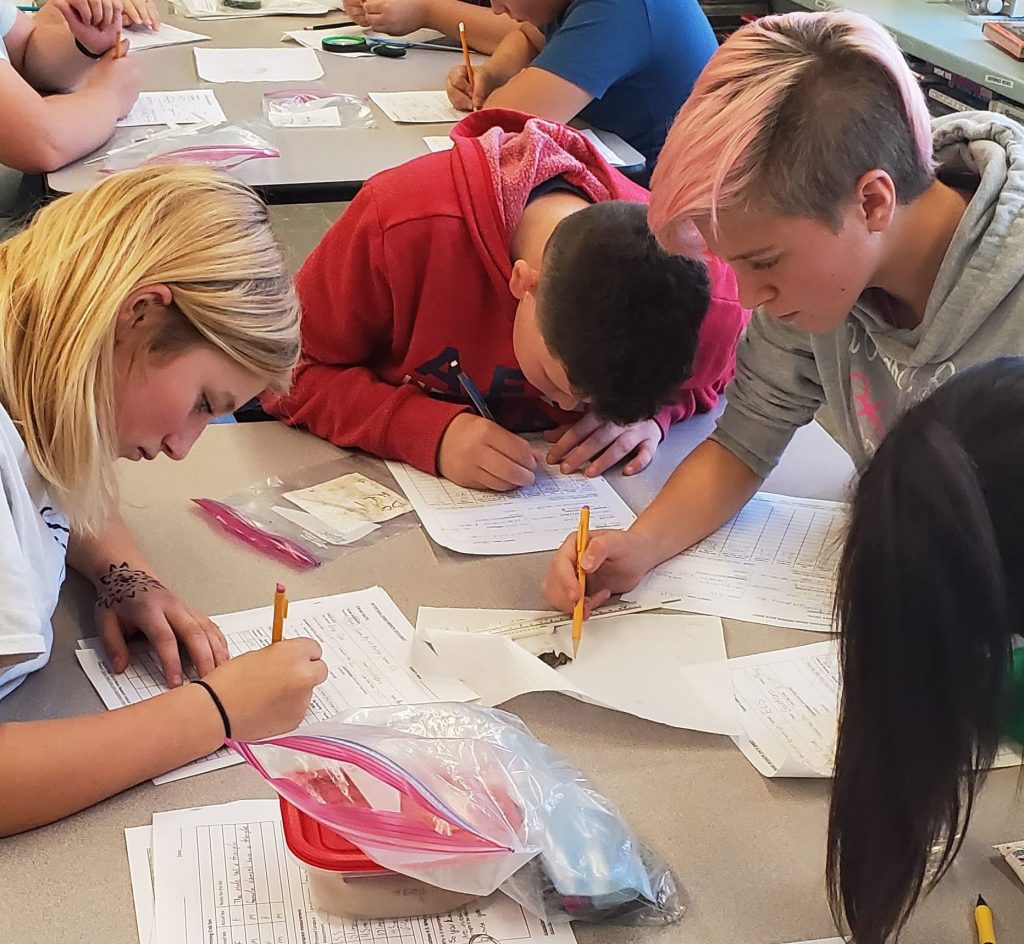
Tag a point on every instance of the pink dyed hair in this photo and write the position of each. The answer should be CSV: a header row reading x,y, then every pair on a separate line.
x,y
788,114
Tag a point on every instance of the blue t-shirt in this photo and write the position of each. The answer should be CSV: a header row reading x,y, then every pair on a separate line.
x,y
8,14
637,58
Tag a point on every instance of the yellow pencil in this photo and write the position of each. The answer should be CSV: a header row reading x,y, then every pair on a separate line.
x,y
465,59
984,920
280,613
582,538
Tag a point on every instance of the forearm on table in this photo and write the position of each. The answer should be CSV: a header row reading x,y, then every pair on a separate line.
x,y
53,62
54,768
484,30
707,489
514,53
92,554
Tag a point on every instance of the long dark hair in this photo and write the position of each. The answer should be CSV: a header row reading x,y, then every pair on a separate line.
x,y
928,600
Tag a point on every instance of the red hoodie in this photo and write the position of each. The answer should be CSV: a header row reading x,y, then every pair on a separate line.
x,y
415,274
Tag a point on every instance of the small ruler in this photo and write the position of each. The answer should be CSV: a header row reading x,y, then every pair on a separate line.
x,y
546,625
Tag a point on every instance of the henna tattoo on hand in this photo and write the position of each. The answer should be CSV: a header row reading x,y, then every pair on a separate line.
x,y
122,582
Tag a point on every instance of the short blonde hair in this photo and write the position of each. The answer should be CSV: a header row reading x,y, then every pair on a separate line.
x,y
787,115
62,280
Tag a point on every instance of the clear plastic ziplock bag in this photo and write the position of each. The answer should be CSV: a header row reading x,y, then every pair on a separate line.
x,y
316,108
317,514
465,798
221,146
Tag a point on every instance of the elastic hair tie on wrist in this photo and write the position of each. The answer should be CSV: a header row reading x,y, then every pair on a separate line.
x,y
89,52
220,707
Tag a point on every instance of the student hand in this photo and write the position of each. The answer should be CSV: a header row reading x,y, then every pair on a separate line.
x,y
477,453
591,438
96,24
395,17
141,13
120,78
457,87
267,692
355,12
130,601
614,561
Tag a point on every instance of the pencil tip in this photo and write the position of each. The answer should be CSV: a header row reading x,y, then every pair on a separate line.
x,y
981,903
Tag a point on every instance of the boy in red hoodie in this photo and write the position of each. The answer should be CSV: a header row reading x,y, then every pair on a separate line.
x,y
523,259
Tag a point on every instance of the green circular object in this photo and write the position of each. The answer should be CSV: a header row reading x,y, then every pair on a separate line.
x,y
344,44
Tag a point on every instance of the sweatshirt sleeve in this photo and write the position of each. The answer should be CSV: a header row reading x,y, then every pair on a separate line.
x,y
714,361
349,324
776,391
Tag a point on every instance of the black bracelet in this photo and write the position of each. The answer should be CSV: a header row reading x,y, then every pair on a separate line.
x,y
88,52
220,707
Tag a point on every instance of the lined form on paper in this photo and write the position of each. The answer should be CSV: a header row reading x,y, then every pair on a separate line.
x,y
367,645
774,563
789,710
475,521
417,107
186,107
224,873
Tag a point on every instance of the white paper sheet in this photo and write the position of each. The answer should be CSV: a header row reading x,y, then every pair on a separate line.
x,y
186,107
167,35
520,522
223,873
606,152
213,10
437,142
789,700
139,842
626,663
367,645
257,65
417,107
774,563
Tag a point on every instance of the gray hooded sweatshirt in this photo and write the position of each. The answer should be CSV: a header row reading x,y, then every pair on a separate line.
x,y
869,372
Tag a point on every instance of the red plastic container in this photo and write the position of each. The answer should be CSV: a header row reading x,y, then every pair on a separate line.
x,y
343,881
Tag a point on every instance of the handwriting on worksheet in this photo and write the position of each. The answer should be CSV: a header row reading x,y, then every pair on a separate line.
x,y
774,562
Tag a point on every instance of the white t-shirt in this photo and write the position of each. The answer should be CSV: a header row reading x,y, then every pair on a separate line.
x,y
33,547
8,14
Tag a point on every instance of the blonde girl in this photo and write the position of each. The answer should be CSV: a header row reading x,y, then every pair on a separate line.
x,y
130,315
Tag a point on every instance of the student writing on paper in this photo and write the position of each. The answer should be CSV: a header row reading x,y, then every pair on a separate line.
x,y
130,315
520,257
485,28
882,252
69,46
930,603
622,65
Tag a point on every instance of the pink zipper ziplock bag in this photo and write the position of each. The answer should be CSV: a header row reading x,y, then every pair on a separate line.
x,y
222,146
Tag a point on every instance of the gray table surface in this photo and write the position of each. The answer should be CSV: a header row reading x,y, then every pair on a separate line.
x,y
749,850
315,163
940,32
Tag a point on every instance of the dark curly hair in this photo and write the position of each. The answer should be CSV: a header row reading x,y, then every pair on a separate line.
x,y
621,314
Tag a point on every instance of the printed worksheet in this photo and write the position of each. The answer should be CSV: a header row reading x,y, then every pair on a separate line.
x,y
438,142
187,107
417,107
774,563
606,152
789,710
223,873
473,521
367,645
166,35
257,65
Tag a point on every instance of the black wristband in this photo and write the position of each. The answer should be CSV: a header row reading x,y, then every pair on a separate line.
x,y
87,52
220,707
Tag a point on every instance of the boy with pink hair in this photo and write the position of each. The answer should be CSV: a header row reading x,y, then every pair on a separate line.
x,y
883,253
